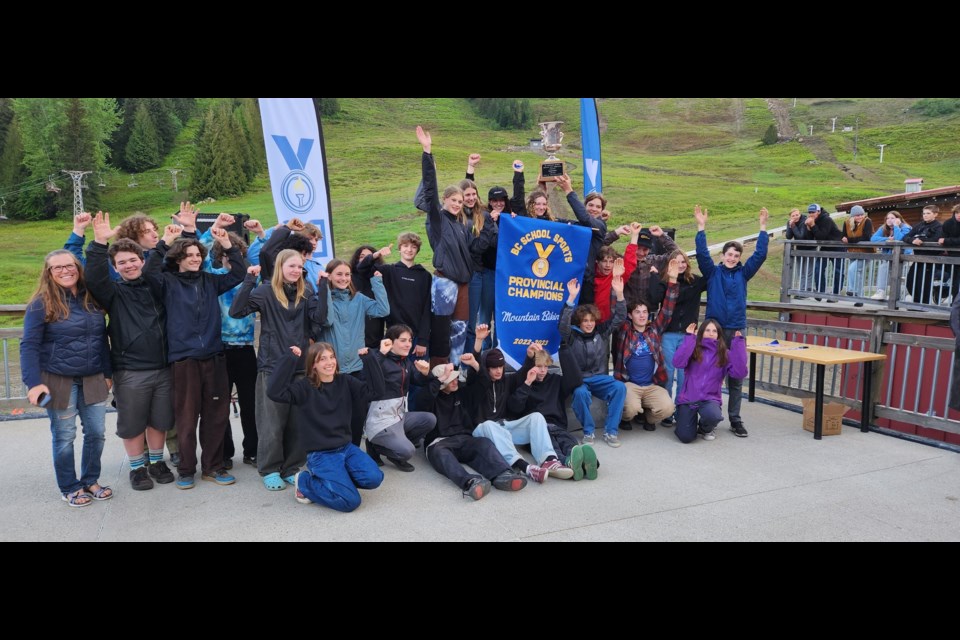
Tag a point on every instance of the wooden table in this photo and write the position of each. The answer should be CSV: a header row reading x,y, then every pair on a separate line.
x,y
820,356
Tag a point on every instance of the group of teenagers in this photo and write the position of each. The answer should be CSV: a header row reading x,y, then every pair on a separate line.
x,y
366,349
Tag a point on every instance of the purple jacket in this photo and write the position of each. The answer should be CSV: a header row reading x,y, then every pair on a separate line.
x,y
702,380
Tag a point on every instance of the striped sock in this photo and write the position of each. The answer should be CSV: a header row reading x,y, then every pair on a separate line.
x,y
137,462
156,455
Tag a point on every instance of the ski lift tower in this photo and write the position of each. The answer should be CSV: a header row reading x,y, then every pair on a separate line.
x,y
77,189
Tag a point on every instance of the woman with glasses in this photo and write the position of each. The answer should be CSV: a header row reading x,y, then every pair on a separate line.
x,y
66,367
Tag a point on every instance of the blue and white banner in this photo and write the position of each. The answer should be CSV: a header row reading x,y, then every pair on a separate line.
x,y
590,139
535,260
298,174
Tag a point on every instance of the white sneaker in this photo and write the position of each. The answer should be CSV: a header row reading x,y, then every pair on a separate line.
x,y
879,295
707,435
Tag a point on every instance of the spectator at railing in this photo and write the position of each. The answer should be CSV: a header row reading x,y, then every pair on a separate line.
x,y
920,280
955,325
856,229
893,229
951,238
823,228
797,229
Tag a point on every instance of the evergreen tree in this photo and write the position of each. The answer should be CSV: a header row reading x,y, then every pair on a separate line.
x,y
327,106
13,173
218,163
143,148
56,132
6,116
771,137
165,121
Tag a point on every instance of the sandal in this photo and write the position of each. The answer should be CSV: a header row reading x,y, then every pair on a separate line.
x,y
103,493
291,480
74,499
273,482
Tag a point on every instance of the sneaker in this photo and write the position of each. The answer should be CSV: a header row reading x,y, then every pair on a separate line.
x,y
590,463
575,461
707,435
738,430
161,473
589,438
626,426
509,481
477,487
858,304
220,476
140,479
537,474
403,465
298,495
175,459
831,301
611,439
251,460
557,469
879,295
667,422
228,463
649,426
185,481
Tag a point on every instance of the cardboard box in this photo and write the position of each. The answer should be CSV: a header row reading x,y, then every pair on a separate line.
x,y
832,416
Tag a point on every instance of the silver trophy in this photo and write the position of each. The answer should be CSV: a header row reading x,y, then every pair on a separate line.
x,y
552,138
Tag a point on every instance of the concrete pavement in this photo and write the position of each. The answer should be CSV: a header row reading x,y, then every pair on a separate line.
x,y
777,484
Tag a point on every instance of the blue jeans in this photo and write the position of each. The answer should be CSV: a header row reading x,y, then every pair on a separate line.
x,y
481,304
670,342
531,429
706,415
332,477
611,391
855,277
63,427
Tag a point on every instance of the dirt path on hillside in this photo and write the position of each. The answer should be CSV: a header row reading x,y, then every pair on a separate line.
x,y
815,144
782,116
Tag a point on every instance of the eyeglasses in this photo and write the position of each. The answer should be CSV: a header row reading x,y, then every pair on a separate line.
x,y
60,268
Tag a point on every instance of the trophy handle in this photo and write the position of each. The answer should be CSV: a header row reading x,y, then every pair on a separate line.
x,y
560,139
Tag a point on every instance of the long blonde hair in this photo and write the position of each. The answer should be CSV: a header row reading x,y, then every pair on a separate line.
x,y
276,282
54,297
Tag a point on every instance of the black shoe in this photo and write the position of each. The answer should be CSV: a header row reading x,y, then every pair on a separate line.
x,y
818,299
626,426
831,301
858,304
160,472
649,426
374,452
403,465
738,430
228,463
251,460
509,481
140,479
667,422
800,297
477,487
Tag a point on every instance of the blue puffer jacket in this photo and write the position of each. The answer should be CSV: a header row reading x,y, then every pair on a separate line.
x,y
727,288
76,346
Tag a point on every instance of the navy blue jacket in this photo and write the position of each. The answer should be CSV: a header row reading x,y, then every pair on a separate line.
x,y
727,288
76,346
193,311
